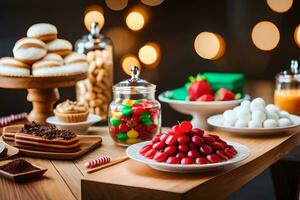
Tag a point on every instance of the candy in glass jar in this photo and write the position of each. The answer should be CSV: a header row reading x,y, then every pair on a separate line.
x,y
134,114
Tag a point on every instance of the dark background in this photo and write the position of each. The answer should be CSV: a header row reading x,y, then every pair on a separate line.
x,y
173,25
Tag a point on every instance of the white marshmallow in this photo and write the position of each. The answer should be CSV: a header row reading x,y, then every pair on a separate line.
x,y
272,107
272,115
258,115
229,122
284,114
284,122
257,104
229,114
241,124
270,123
255,124
246,105
244,115
236,109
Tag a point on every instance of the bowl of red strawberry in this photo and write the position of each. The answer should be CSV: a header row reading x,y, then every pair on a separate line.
x,y
187,149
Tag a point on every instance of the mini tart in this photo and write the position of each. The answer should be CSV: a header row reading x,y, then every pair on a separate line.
x,y
46,68
13,67
55,57
60,46
42,31
71,111
28,50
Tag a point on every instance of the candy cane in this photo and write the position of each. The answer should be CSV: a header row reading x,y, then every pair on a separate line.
x,y
96,162
4,121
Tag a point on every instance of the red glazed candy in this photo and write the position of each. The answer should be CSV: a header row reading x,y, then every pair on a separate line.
x,y
171,140
145,149
193,146
208,139
136,119
214,136
156,139
114,130
187,161
200,160
176,129
182,139
229,152
158,146
150,154
163,137
217,145
222,155
193,154
123,128
125,119
170,150
183,148
198,131
185,126
160,156
180,155
213,158
172,160
197,140
152,128
206,149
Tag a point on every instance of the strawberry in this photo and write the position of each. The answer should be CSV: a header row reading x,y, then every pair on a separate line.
x,y
198,87
206,97
224,95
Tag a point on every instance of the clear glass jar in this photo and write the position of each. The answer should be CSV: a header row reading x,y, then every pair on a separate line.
x,y
287,91
95,91
134,114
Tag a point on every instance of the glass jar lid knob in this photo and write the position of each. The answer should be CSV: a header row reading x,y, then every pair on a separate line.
x,y
95,28
135,72
294,66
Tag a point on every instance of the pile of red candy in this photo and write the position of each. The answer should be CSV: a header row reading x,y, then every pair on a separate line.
x,y
184,144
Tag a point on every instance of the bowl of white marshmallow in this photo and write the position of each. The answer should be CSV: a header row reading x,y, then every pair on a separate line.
x,y
255,118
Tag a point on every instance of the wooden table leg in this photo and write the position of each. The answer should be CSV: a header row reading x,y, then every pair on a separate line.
x,y
42,103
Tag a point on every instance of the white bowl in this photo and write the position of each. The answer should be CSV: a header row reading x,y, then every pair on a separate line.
x,y
201,110
217,122
133,153
80,128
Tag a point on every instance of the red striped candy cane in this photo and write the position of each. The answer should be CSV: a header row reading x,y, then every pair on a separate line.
x,y
96,162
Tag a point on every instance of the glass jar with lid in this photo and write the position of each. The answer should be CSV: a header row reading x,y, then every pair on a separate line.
x,y
134,114
95,91
287,91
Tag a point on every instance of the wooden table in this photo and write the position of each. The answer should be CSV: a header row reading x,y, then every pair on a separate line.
x,y
132,180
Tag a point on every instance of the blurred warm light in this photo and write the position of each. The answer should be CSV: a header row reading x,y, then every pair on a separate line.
x,y
280,5
135,20
116,4
123,39
152,2
93,13
149,54
297,35
128,61
209,45
265,35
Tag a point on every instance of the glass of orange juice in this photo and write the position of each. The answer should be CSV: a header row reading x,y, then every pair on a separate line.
x,y
287,92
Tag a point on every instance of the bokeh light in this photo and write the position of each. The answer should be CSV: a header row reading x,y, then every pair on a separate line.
x,y
209,45
152,2
93,13
149,54
116,5
123,39
280,5
128,61
297,35
135,20
265,35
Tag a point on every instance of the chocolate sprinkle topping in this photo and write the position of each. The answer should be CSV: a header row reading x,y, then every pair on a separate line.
x,y
47,132
18,166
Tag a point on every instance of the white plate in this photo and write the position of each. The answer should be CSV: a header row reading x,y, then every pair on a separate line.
x,y
80,128
201,110
133,153
217,121
2,146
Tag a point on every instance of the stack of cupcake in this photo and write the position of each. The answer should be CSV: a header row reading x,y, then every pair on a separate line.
x,y
41,53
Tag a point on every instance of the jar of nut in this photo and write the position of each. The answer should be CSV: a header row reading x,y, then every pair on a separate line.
x,y
95,91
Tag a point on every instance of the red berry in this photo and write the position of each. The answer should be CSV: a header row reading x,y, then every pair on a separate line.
x,y
198,88
213,158
208,139
163,137
222,155
206,149
206,97
182,139
197,140
172,160
160,156
158,146
123,128
145,149
193,146
183,148
185,126
180,155
150,154
198,131
193,154
170,150
200,160
187,161
217,145
171,140
224,94
229,152
176,129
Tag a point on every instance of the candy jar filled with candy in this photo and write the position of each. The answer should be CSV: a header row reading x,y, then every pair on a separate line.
x,y
134,114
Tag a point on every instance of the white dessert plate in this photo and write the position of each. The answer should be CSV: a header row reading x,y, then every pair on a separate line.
x,y
133,153
80,128
201,110
217,122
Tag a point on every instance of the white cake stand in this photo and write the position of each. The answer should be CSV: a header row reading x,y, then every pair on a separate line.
x,y
201,110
